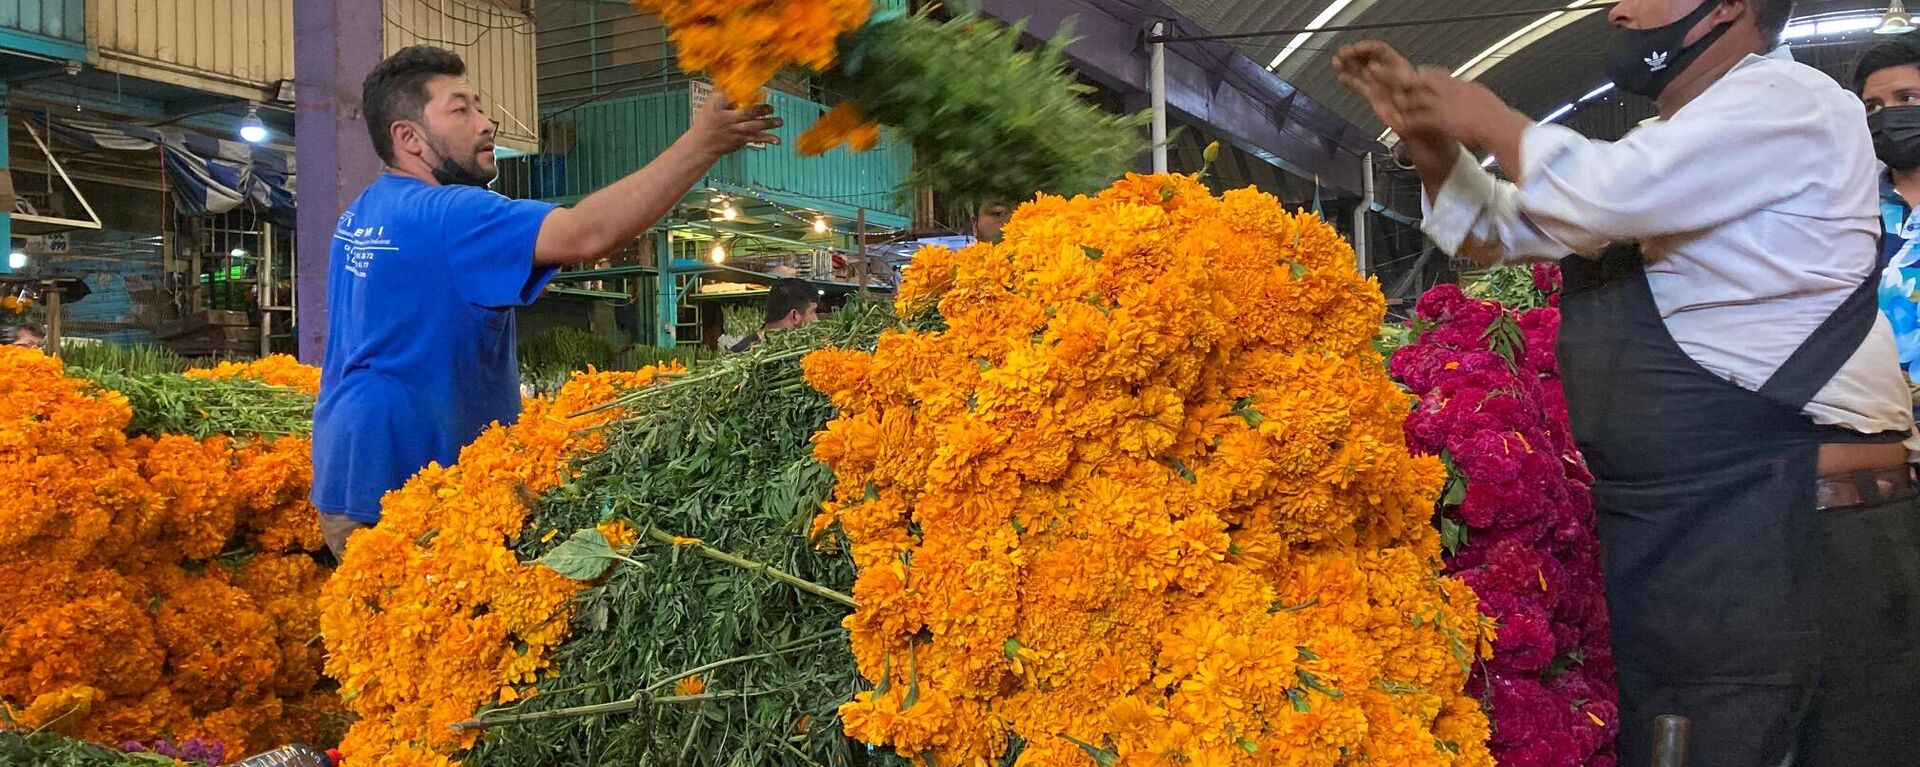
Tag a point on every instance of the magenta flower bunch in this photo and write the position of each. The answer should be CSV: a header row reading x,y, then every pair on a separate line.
x,y
1517,516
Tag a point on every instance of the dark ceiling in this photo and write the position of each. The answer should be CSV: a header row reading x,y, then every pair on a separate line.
x,y
1556,62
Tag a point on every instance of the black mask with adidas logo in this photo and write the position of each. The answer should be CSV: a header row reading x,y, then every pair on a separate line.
x,y
1645,61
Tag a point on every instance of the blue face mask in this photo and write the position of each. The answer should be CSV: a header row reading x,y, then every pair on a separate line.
x,y
1645,61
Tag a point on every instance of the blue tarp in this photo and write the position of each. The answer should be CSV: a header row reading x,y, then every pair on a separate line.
x,y
205,175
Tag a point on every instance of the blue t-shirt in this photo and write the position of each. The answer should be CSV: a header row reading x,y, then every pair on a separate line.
x,y
422,283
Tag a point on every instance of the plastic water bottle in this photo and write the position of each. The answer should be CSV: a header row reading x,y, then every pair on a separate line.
x,y
296,755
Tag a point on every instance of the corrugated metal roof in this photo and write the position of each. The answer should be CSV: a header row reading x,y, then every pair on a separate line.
x,y
1557,68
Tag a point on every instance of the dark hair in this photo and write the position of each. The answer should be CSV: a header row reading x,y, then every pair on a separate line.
x,y
28,327
1898,51
396,90
790,295
1771,17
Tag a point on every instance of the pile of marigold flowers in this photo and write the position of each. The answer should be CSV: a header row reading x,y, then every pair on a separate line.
x,y
276,369
1144,500
159,587
742,45
433,615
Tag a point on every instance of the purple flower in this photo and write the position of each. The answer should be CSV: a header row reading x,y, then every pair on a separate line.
x,y
1532,555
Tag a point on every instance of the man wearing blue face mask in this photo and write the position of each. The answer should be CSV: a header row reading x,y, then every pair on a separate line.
x,y
1730,380
1888,81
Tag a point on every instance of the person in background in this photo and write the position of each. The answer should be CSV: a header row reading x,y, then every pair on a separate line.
x,y
30,335
989,219
1887,78
792,303
1730,380
427,266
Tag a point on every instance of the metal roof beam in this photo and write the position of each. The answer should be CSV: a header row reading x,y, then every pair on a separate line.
x,y
1210,83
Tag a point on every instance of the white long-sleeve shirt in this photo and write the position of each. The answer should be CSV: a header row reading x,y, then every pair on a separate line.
x,y
1756,206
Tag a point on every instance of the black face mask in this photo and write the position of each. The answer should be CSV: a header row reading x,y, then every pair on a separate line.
x,y
1645,61
451,174
1896,136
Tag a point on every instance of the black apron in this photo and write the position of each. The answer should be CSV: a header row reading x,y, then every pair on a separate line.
x,y
1717,564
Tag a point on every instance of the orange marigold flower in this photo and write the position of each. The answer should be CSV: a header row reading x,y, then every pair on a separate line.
x,y
1144,495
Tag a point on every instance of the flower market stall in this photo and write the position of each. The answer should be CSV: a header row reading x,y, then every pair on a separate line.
x,y
1088,502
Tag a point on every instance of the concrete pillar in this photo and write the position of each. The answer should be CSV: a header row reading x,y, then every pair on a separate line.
x,y
336,43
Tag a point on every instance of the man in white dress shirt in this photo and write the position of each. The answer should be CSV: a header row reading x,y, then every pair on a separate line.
x,y
1730,382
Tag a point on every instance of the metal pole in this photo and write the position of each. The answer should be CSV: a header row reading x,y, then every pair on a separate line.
x,y
860,244
1157,87
50,293
1362,234
263,294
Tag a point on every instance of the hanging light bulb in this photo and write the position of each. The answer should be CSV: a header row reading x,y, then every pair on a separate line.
x,y
729,213
17,260
252,129
1897,21
718,254
820,224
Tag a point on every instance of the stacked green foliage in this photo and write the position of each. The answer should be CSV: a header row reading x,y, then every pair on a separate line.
x,y
549,358
49,749
689,357
170,403
1510,285
138,359
722,455
987,121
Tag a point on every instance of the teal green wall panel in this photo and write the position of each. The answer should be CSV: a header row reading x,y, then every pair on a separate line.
x,y
615,137
851,180
55,19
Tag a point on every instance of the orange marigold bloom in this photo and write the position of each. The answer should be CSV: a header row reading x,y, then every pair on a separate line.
x,y
1144,498
274,369
432,615
93,541
742,45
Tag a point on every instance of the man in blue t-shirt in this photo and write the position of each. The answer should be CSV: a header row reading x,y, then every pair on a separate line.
x,y
428,265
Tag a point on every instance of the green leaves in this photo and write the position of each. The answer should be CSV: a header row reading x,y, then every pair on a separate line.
x,y
169,403
987,120
1244,409
1453,535
1104,757
584,556
723,455
1506,340
1563,664
1510,285
1455,492
1180,468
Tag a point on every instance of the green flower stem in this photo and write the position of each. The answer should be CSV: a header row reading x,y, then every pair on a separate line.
x,y
764,569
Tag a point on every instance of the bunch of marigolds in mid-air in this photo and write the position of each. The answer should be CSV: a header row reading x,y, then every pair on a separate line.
x,y
1145,500
742,45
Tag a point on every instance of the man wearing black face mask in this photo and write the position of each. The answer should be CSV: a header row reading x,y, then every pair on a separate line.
x,y
1888,81
428,265
1730,381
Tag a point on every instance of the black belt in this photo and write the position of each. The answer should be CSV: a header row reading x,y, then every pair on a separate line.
x,y
1871,487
